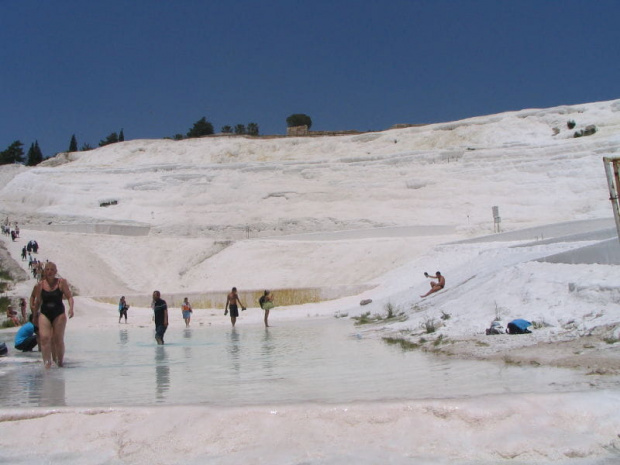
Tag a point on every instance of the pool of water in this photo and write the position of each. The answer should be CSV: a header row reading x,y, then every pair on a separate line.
x,y
323,360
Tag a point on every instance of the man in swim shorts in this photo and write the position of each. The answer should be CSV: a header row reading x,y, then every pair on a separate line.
x,y
435,285
231,303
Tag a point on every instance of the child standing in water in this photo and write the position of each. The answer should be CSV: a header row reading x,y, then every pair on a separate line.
x,y
186,309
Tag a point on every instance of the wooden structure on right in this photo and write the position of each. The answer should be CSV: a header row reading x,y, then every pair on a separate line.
x,y
613,180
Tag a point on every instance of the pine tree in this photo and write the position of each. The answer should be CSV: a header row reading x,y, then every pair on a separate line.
x,y
121,136
201,128
240,129
37,151
35,156
111,139
30,156
13,154
73,145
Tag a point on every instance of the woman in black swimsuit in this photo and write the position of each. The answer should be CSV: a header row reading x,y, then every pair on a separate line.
x,y
48,313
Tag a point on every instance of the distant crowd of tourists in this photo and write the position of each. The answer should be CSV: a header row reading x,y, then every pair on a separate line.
x,y
10,229
36,268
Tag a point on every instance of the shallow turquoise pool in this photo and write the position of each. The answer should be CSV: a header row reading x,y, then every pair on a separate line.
x,y
322,360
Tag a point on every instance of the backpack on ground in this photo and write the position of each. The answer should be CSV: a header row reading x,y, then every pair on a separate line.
x,y
518,326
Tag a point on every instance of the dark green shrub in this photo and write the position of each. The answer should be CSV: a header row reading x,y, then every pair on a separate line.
x,y
298,119
202,127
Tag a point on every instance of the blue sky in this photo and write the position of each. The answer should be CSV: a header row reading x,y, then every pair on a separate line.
x,y
153,68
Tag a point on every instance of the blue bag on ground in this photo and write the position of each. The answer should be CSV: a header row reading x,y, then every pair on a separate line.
x,y
518,326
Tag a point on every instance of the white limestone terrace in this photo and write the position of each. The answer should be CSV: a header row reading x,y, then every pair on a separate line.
x,y
370,211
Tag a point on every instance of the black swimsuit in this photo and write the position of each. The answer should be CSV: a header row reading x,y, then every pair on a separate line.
x,y
51,303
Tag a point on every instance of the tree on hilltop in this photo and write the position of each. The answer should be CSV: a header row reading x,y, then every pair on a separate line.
x,y
201,128
35,156
298,119
252,129
241,129
73,145
13,154
111,139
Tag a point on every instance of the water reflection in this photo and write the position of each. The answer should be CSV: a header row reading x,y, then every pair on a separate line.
x,y
123,337
52,382
267,349
301,361
24,381
162,374
27,383
187,348
234,349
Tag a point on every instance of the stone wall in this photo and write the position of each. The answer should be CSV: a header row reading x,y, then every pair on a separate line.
x,y
302,131
297,131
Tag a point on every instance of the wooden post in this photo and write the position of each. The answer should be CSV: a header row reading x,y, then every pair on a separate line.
x,y
613,181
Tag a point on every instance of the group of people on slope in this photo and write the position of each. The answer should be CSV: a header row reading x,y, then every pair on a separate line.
x,y
36,267
45,326
12,232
